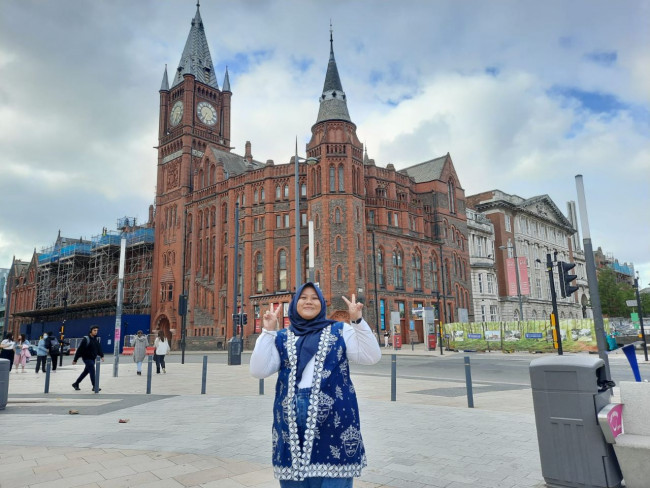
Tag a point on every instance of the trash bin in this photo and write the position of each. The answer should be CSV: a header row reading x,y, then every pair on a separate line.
x,y
568,393
4,383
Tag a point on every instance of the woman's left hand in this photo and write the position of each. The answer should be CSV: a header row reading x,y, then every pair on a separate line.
x,y
354,308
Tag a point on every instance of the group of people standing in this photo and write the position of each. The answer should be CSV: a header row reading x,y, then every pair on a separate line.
x,y
161,348
17,351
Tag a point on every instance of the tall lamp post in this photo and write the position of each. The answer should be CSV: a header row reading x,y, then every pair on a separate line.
x,y
514,251
640,309
310,161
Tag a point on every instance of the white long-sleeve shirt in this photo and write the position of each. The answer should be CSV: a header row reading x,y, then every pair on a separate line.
x,y
360,343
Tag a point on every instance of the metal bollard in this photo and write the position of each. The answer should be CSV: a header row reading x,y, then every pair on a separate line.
x,y
261,390
98,362
205,374
149,372
468,383
48,367
393,377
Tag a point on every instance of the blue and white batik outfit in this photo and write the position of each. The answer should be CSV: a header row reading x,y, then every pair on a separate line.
x,y
328,443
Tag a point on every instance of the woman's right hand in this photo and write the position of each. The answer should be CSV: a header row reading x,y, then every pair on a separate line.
x,y
270,318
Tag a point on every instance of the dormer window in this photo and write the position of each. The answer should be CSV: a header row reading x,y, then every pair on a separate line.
x,y
334,94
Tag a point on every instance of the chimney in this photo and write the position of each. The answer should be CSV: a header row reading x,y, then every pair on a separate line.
x,y
248,156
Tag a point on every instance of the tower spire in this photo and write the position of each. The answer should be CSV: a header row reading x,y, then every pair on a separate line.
x,y
196,59
333,104
164,86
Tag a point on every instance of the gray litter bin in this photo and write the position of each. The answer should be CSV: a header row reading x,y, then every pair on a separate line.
x,y
567,399
4,383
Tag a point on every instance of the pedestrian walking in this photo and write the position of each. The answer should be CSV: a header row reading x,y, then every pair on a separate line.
x,y
54,348
88,350
161,345
316,434
41,353
21,352
386,338
139,344
7,349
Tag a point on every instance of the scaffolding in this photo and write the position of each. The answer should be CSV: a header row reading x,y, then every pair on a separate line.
x,y
86,272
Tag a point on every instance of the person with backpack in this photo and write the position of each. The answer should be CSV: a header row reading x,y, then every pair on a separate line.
x,y
54,348
88,350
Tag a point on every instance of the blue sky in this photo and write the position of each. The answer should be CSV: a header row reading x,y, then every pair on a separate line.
x,y
523,95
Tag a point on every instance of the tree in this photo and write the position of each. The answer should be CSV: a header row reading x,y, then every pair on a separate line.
x,y
613,294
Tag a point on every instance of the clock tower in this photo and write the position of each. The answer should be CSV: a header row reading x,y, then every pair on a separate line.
x,y
194,114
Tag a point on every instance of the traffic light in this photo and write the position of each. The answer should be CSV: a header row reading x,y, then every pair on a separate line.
x,y
566,288
235,318
244,318
182,304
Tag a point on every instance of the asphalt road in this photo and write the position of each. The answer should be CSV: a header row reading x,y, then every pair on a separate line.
x,y
497,368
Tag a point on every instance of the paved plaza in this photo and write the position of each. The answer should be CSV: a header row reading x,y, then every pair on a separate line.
x,y
177,437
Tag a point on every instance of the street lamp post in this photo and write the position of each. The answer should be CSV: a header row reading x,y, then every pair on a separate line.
x,y
514,251
296,161
640,309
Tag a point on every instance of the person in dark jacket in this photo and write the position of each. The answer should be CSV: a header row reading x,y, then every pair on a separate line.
x,y
53,346
88,351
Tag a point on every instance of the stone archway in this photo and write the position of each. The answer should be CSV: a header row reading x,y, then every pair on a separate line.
x,y
163,324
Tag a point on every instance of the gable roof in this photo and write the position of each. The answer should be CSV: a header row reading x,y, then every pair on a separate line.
x,y
428,171
233,163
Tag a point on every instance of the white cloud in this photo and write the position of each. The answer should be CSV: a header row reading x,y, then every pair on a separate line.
x,y
79,100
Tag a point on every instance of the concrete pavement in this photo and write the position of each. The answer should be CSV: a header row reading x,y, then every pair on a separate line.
x,y
177,437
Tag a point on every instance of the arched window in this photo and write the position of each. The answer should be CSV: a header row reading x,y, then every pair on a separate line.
x,y
317,276
358,242
417,271
224,271
398,271
259,273
338,244
359,271
341,178
317,251
381,274
435,284
317,221
278,192
224,213
339,273
354,180
337,215
262,195
303,190
213,174
255,196
332,179
451,196
286,191
282,271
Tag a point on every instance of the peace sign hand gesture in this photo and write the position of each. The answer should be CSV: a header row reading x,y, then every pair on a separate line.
x,y
270,318
354,308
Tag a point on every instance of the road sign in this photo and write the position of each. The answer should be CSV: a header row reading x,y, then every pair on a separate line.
x,y
631,303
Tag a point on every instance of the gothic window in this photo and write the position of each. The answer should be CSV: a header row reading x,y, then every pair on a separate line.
x,y
303,190
259,273
224,271
341,178
282,271
262,195
255,196
286,191
398,270
359,271
317,250
278,192
339,273
451,192
417,271
338,244
332,179
380,268
337,215
224,213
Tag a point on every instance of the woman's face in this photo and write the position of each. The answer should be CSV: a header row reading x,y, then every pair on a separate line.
x,y
308,305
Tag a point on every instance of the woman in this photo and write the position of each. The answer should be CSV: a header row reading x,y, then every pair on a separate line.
x,y
139,343
7,346
41,353
319,446
21,352
162,348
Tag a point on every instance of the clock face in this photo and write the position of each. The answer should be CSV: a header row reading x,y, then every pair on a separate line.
x,y
207,113
176,113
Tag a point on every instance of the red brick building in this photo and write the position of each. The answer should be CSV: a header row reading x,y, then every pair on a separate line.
x,y
408,228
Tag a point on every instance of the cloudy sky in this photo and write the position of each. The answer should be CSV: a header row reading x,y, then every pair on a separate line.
x,y
524,95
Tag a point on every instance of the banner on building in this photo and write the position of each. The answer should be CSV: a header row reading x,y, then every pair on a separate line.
x,y
512,277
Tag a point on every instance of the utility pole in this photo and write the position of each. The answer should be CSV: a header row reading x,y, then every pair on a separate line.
x,y
638,303
234,346
555,321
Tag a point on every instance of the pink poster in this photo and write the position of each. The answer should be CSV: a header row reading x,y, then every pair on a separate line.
x,y
512,277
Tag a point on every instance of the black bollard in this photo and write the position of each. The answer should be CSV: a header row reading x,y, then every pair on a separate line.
x,y
205,374
468,383
393,377
98,362
261,386
149,371
48,367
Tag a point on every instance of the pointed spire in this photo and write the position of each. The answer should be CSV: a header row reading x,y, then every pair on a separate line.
x,y
333,104
226,81
196,59
365,154
164,86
